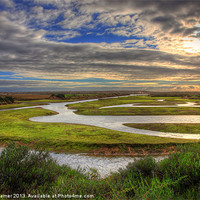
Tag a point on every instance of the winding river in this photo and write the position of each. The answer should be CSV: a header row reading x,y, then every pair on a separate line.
x,y
66,115
106,165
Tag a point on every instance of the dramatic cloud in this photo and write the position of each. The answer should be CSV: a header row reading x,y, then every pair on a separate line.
x,y
49,42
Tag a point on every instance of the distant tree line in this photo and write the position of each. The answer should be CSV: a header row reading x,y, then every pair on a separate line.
x,y
59,96
84,95
6,100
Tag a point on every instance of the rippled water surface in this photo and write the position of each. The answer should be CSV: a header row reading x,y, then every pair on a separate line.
x,y
103,165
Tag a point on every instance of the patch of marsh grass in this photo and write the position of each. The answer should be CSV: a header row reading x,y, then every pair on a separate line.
x,y
193,128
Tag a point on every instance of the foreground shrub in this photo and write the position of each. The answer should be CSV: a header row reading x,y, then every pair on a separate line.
x,y
178,177
174,177
144,166
141,170
22,170
155,189
184,164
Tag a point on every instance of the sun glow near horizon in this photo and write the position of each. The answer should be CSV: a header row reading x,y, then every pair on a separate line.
x,y
191,45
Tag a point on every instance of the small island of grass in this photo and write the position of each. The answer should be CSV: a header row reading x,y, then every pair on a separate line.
x,y
193,128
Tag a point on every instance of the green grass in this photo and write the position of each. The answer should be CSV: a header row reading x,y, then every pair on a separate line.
x,y
136,111
92,108
15,126
168,127
19,105
146,100
176,177
143,111
22,170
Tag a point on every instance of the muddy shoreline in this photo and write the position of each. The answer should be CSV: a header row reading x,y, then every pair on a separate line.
x,y
132,151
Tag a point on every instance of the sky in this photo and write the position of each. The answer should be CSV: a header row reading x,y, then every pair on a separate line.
x,y
97,45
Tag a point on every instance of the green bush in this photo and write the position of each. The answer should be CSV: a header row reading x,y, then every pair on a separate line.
x,y
154,189
178,177
144,166
131,177
174,177
183,164
22,170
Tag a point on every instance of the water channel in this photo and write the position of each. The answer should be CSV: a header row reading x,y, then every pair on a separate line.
x,y
106,165
66,115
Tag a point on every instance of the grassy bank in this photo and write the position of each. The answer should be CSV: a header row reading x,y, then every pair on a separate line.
x,y
174,178
15,125
173,128
21,104
141,111
92,108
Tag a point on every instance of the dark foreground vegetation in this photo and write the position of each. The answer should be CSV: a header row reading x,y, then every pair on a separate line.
x,y
32,173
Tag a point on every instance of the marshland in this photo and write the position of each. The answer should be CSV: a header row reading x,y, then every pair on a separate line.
x,y
35,128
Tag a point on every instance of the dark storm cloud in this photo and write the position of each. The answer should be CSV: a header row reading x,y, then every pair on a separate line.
x,y
170,14
49,57
190,7
134,72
